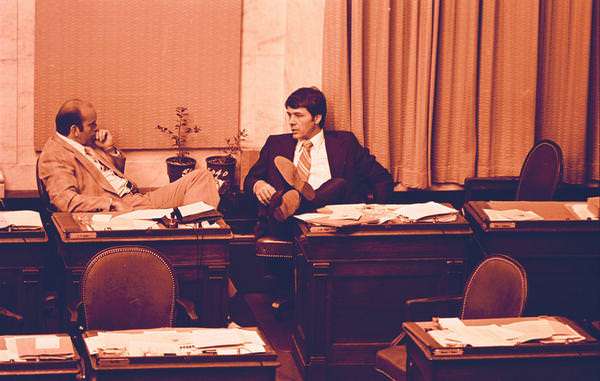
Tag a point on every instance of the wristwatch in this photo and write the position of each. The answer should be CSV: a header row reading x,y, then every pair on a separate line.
x,y
112,151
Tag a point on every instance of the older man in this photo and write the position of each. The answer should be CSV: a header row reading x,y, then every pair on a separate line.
x,y
82,170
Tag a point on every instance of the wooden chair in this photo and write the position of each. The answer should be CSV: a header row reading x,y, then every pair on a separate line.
x,y
47,207
127,287
540,176
497,288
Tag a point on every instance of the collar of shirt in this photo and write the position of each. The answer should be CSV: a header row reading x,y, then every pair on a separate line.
x,y
318,140
79,147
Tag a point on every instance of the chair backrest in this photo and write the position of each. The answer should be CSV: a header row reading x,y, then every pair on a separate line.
x,y
541,172
44,198
127,287
497,288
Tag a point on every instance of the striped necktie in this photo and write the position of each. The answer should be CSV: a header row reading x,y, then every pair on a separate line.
x,y
304,162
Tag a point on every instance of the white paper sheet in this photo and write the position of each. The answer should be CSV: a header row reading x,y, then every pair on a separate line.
x,y
416,212
195,208
144,214
512,215
20,218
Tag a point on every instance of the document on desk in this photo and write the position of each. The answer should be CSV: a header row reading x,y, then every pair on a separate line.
x,y
20,219
512,215
582,210
454,333
415,212
36,347
145,214
179,342
101,222
368,214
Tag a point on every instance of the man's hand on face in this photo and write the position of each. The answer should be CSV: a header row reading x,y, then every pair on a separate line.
x,y
263,191
104,139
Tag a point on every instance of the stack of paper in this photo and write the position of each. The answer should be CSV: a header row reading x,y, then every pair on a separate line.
x,y
415,212
36,347
20,219
353,214
179,342
455,333
144,219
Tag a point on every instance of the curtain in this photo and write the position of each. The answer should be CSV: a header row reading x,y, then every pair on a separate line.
x,y
443,90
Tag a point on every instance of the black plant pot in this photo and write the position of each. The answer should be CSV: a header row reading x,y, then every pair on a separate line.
x,y
178,166
223,169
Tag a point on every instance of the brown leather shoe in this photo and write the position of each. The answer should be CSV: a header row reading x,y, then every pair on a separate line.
x,y
290,174
285,205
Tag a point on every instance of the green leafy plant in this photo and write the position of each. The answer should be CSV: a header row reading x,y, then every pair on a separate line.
x,y
180,131
234,143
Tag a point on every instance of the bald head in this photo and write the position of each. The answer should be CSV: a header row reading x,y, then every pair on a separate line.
x,y
71,114
76,120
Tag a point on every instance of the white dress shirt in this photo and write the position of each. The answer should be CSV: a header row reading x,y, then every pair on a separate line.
x,y
319,163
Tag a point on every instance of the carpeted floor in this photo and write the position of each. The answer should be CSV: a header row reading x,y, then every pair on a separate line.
x,y
254,309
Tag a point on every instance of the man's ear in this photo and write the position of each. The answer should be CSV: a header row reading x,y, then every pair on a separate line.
x,y
73,130
318,118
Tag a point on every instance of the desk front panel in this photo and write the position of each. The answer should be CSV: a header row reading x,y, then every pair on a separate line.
x,y
201,267
21,265
351,293
543,367
218,371
562,261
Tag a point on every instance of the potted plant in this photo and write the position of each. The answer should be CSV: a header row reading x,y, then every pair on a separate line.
x,y
181,164
223,166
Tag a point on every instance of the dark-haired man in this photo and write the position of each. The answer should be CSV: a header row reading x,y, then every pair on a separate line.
x,y
82,170
311,167
306,169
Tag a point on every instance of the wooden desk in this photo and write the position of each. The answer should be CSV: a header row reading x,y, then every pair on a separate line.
x,y
525,362
200,258
352,287
561,255
22,257
50,370
206,367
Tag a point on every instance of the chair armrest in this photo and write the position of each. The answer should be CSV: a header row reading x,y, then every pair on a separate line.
x,y
10,322
189,308
75,316
423,309
6,313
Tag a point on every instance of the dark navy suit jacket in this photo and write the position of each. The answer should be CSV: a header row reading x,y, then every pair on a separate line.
x,y
347,160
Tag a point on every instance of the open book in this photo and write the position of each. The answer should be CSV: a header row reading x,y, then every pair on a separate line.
x,y
21,220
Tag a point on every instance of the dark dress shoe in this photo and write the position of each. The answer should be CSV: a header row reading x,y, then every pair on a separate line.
x,y
284,205
282,308
291,175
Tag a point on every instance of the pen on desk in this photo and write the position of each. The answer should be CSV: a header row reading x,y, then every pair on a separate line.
x,y
436,323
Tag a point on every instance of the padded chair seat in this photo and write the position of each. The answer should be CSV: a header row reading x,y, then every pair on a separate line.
x,y
391,361
271,247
